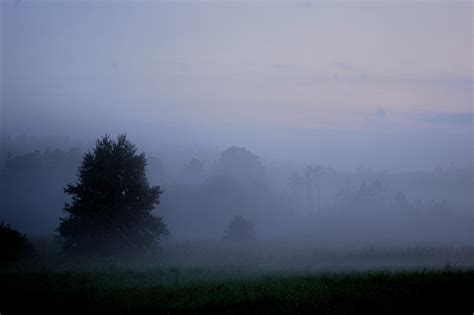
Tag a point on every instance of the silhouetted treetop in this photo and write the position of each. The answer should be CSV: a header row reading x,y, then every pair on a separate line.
x,y
241,164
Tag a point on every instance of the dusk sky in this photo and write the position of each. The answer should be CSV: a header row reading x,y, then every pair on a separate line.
x,y
387,84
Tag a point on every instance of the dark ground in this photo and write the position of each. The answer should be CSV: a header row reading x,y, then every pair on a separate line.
x,y
171,291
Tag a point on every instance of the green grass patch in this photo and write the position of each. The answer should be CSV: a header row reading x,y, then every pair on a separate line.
x,y
170,291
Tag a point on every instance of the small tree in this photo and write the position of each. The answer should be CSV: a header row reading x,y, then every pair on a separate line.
x,y
14,246
111,202
240,229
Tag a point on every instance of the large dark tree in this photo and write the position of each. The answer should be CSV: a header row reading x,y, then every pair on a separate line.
x,y
112,202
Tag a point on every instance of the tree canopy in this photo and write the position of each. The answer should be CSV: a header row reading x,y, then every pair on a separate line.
x,y
241,164
111,204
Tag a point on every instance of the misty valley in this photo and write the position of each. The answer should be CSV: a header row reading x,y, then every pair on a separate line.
x,y
236,157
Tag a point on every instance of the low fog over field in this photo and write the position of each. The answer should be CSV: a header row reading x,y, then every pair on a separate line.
x,y
318,129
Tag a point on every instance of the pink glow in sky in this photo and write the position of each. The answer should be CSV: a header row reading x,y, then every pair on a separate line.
x,y
394,68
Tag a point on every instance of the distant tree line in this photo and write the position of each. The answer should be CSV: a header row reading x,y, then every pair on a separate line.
x,y
111,203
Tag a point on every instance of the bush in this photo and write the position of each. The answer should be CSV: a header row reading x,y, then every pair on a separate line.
x,y
14,246
240,229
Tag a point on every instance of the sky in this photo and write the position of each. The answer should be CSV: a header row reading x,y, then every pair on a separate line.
x,y
382,84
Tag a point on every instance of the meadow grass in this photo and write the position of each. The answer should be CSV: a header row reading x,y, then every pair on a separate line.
x,y
234,291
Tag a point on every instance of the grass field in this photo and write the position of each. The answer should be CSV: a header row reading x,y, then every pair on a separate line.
x,y
198,290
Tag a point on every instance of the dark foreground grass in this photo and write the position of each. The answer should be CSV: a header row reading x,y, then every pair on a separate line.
x,y
159,291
